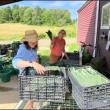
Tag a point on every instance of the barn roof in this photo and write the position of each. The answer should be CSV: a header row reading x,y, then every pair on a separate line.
x,y
83,6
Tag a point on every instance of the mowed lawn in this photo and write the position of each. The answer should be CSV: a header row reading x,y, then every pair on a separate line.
x,y
15,31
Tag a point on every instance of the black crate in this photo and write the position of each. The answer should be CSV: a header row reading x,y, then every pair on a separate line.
x,y
68,63
47,87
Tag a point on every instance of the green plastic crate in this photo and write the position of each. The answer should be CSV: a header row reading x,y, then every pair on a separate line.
x,y
87,76
90,88
5,75
13,70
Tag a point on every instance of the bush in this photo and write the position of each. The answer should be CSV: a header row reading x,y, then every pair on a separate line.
x,y
86,58
13,70
42,36
5,75
6,78
98,63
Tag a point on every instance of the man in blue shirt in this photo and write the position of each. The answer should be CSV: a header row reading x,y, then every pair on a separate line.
x,y
27,55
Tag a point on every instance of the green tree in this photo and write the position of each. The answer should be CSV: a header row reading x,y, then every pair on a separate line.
x,y
56,17
67,16
8,13
2,20
37,16
62,17
21,13
15,13
5,15
27,17
48,17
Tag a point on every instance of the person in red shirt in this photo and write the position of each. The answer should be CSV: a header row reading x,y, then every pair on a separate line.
x,y
58,47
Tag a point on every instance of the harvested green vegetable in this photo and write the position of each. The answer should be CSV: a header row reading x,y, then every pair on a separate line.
x,y
49,33
40,83
50,70
53,68
87,76
49,86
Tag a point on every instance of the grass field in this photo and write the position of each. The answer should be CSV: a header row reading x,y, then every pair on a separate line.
x,y
15,31
44,49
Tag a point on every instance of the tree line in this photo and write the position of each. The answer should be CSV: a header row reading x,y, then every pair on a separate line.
x,y
35,16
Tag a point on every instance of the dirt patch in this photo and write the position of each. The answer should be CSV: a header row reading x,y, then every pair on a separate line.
x,y
9,94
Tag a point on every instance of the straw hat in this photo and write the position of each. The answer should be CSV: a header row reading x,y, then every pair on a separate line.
x,y
30,35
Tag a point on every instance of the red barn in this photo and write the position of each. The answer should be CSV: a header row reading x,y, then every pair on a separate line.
x,y
93,23
86,22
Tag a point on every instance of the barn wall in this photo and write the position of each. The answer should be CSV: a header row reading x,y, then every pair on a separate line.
x,y
86,24
101,43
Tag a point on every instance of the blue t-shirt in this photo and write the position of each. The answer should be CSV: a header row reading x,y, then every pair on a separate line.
x,y
24,54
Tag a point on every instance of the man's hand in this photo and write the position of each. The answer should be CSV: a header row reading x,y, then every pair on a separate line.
x,y
39,68
49,33
65,54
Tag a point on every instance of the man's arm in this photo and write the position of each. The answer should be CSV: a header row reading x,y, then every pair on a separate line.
x,y
49,33
65,54
52,43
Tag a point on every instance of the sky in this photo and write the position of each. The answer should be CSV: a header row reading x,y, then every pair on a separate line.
x,y
72,6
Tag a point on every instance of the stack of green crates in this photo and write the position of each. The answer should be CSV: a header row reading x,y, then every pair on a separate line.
x,y
90,88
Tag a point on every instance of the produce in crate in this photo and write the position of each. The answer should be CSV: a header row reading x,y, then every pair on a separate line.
x,y
52,68
90,89
55,71
94,78
47,87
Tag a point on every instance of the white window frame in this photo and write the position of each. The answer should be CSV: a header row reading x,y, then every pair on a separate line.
x,y
106,26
